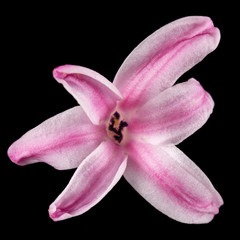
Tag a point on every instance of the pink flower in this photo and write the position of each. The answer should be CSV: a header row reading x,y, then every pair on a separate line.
x,y
131,128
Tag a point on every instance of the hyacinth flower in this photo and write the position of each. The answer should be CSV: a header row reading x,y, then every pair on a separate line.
x,y
130,128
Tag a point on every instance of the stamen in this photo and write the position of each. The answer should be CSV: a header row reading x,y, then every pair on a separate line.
x,y
116,126
116,115
111,128
122,125
118,138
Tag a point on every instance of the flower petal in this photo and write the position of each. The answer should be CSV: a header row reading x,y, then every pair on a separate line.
x,y
157,62
94,178
172,183
94,93
62,141
173,115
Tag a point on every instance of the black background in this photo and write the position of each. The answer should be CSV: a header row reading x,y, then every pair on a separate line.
x,y
37,38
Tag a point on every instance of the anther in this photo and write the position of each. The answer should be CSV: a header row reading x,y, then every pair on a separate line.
x,y
118,138
122,125
116,115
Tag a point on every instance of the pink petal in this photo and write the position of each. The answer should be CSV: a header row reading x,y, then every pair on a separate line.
x,y
163,57
94,178
172,183
173,115
94,93
62,141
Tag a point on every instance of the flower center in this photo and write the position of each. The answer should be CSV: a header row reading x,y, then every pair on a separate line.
x,y
115,127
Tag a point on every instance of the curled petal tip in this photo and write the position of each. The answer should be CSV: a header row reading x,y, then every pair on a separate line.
x,y
16,154
12,155
56,214
52,212
55,73
63,70
217,203
215,35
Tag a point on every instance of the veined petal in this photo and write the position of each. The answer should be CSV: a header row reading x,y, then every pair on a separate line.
x,y
93,179
157,62
172,183
62,141
173,115
94,93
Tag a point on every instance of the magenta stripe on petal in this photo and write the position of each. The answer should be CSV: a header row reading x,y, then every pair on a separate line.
x,y
173,115
163,57
93,179
62,141
94,93
172,183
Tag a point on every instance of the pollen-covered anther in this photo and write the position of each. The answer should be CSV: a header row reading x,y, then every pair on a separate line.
x,y
115,127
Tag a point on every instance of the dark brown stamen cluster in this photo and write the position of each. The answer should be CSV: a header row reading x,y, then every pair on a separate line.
x,y
116,127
